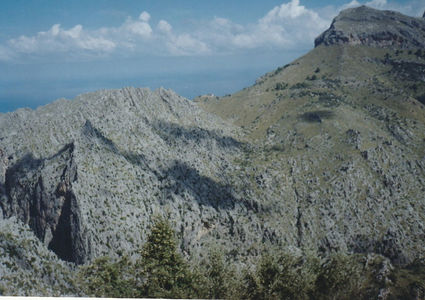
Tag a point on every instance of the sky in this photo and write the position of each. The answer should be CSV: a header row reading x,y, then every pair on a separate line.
x,y
51,49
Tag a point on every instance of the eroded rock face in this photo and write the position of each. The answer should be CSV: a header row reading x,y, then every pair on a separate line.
x,y
367,26
39,193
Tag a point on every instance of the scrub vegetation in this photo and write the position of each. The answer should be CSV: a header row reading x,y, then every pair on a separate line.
x,y
161,271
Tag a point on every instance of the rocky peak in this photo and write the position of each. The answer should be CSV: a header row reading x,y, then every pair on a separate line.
x,y
367,26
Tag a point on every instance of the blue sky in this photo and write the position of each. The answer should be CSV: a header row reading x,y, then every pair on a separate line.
x,y
54,48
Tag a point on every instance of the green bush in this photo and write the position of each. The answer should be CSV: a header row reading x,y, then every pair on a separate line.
x,y
219,279
409,282
104,278
299,85
280,86
281,276
339,278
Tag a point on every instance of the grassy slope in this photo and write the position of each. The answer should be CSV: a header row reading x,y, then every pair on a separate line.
x,y
356,76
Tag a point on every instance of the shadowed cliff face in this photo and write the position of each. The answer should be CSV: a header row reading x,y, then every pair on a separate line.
x,y
173,132
39,192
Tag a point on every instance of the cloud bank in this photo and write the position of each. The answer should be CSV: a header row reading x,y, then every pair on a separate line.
x,y
285,27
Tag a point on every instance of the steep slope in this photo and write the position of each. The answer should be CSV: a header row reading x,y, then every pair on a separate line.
x,y
342,130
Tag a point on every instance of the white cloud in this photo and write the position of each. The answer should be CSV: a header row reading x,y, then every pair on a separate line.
x,y
145,16
292,23
164,26
185,44
377,3
74,32
353,3
57,40
97,44
286,26
179,44
142,29
290,10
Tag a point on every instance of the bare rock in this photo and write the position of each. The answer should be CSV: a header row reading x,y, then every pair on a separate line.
x,y
367,26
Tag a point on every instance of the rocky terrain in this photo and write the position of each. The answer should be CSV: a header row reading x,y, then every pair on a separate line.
x,y
367,26
326,154
340,134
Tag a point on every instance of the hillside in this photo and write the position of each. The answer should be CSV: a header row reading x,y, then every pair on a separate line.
x,y
323,155
344,127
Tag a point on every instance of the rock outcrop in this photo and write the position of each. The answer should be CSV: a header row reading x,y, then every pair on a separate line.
x,y
39,193
367,26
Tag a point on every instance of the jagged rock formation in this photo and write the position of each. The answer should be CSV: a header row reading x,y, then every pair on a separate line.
x,y
325,154
367,26
88,175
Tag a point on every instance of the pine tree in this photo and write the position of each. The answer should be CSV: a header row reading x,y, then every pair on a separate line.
x,y
164,272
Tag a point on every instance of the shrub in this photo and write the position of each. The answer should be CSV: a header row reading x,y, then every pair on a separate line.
x,y
104,278
339,278
281,86
299,85
219,278
409,282
281,276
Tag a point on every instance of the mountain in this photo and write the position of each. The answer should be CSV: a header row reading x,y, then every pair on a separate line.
x,y
341,130
370,27
323,155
